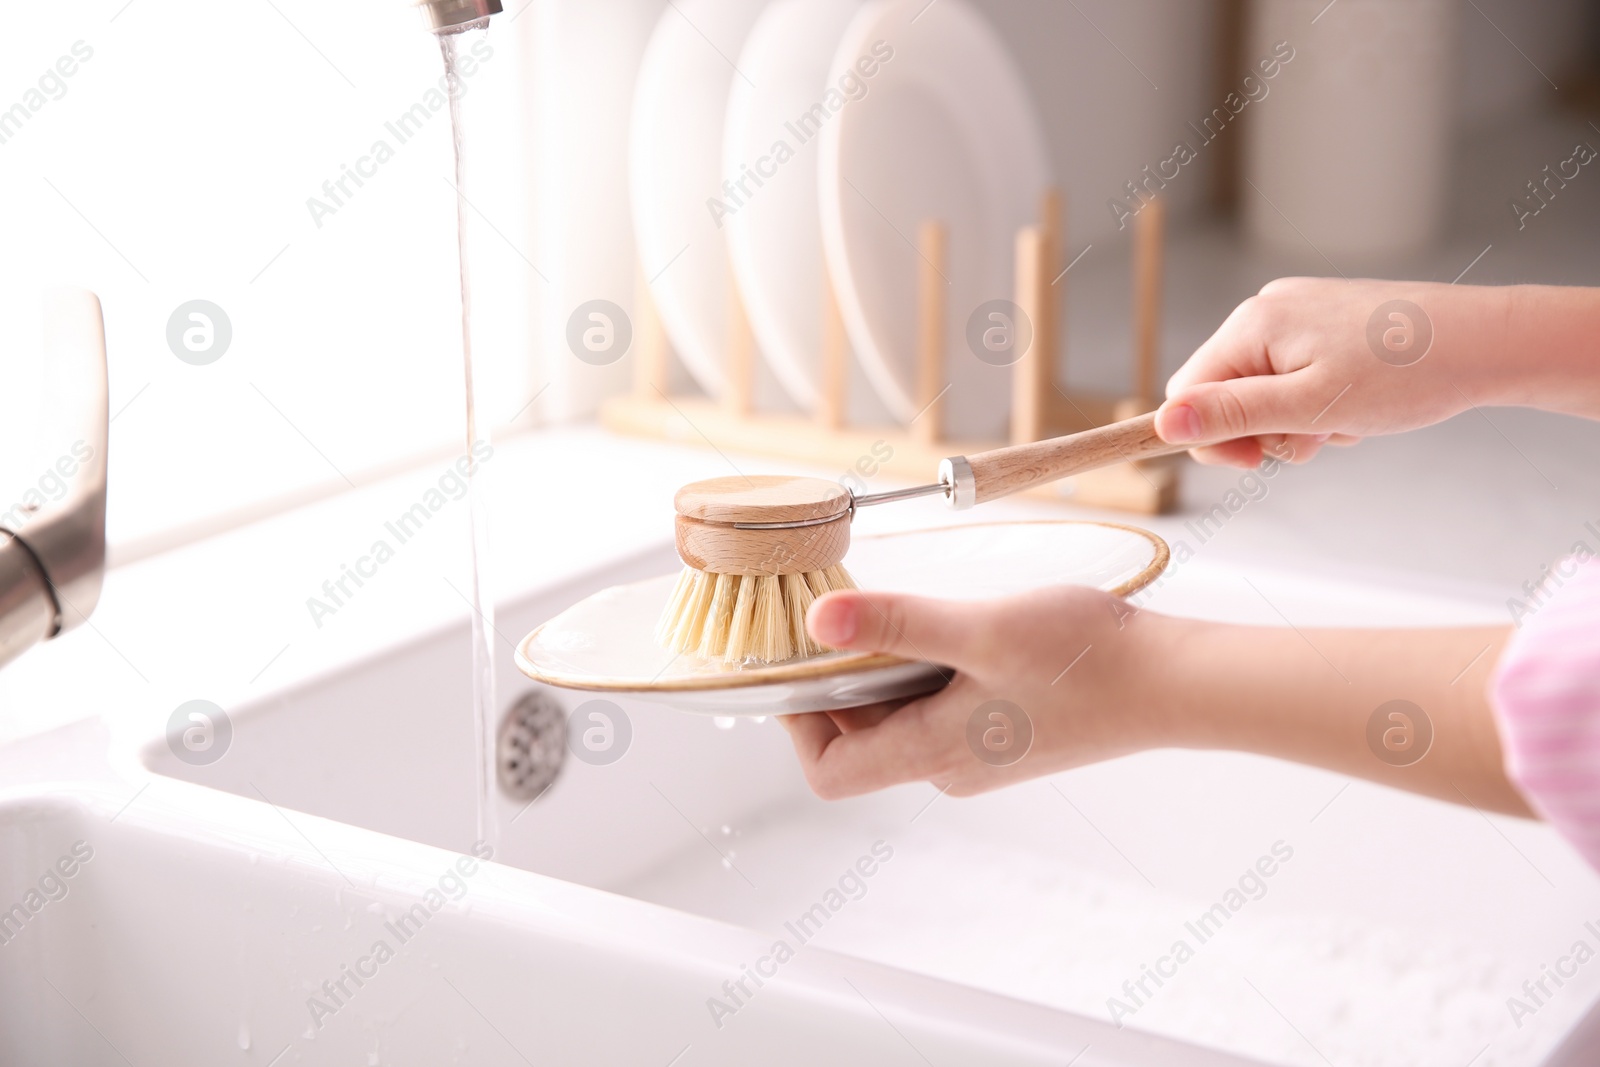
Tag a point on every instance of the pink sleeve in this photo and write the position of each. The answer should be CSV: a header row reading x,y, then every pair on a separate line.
x,y
1546,694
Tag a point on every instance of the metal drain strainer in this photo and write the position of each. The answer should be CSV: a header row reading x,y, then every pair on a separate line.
x,y
530,745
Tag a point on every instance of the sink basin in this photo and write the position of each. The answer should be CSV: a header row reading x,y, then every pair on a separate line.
x,y
198,927
627,903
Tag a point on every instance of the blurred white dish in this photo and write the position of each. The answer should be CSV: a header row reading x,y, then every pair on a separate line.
x,y
607,642
775,235
680,103
946,131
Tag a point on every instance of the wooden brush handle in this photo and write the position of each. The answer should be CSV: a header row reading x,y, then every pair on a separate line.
x,y
1002,471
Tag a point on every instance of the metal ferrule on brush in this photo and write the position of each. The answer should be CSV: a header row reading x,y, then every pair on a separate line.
x,y
863,500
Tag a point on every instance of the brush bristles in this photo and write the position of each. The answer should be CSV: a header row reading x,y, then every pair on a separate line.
x,y
737,618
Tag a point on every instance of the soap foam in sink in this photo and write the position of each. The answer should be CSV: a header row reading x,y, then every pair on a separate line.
x,y
1284,988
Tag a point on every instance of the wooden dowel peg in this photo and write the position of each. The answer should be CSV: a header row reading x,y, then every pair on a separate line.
x,y
1051,224
651,349
1032,374
831,411
1052,220
932,251
741,367
1149,240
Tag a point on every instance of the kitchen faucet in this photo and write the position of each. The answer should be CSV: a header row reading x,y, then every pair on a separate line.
x,y
53,552
453,16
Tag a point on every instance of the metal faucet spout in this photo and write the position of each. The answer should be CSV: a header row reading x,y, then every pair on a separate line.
x,y
454,16
53,557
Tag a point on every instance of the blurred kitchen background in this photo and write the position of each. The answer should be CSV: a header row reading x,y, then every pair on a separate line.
x,y
180,158
288,163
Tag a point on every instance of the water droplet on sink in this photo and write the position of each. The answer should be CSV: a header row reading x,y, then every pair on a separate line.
x,y
724,722
726,829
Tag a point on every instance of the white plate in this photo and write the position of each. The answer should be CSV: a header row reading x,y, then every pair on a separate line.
x,y
607,643
775,237
680,104
946,132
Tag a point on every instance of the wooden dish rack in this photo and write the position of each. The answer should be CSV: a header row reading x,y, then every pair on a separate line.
x,y
1040,406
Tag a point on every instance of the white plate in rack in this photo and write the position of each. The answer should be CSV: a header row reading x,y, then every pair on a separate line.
x,y
606,643
680,105
946,132
775,238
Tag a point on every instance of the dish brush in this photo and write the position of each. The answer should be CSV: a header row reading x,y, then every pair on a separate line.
x,y
757,551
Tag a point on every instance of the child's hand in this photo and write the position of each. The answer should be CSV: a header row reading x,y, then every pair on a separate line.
x,y
1063,660
1065,676
1310,361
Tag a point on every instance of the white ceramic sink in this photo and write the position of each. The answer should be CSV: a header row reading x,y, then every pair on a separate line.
x,y
222,935
992,930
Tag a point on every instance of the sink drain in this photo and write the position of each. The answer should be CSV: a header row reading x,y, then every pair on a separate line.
x,y
530,745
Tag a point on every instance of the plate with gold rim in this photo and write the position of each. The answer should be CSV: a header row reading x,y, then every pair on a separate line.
x,y
606,642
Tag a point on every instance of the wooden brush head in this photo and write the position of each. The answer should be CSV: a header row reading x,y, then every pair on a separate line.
x,y
708,541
